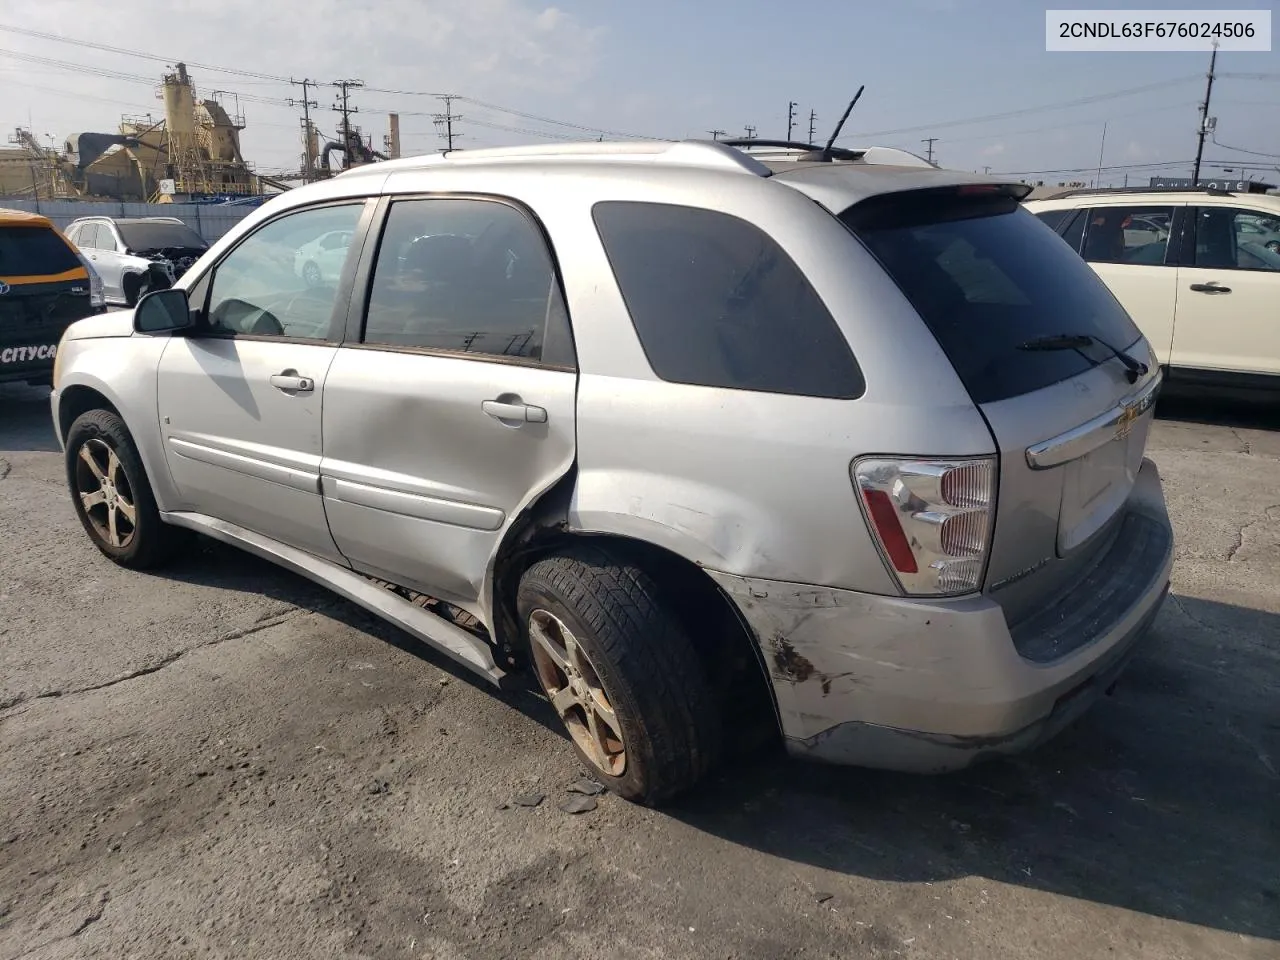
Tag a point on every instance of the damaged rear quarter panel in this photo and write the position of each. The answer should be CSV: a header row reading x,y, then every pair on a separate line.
x,y
836,656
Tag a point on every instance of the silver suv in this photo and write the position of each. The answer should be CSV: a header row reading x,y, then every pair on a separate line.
x,y
693,436
136,254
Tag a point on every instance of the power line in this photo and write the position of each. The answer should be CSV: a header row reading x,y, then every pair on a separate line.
x,y
1252,153
130,52
1009,114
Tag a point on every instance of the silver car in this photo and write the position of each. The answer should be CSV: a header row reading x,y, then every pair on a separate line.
x,y
837,443
136,254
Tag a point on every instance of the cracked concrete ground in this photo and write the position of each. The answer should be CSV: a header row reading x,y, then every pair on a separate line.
x,y
224,761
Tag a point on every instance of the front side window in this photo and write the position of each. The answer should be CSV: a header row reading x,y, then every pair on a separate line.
x,y
717,303
1234,239
272,284
1137,234
465,275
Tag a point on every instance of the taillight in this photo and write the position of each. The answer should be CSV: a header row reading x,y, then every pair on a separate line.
x,y
97,297
932,520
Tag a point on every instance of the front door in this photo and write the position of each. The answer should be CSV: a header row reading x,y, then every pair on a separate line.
x,y
457,408
1228,311
239,402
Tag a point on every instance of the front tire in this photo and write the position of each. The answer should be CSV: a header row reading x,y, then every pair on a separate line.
x,y
621,672
111,494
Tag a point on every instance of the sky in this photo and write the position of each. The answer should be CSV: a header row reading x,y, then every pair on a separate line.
x,y
972,73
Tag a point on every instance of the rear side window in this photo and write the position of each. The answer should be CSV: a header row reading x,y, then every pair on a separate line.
x,y
717,303
988,281
1053,219
34,252
1138,235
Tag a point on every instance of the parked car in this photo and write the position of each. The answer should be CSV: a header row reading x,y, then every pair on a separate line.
x,y
692,437
136,254
1205,291
320,261
45,286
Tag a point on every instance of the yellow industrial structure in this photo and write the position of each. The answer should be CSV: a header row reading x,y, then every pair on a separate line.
x,y
194,151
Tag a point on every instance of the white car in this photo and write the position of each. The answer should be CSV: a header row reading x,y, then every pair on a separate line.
x,y
1198,271
320,262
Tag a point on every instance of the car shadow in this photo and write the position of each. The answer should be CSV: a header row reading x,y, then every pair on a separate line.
x,y
212,563
26,423
1214,411
1163,799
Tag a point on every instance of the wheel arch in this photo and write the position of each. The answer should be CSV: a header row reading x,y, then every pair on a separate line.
x,y
721,634
80,392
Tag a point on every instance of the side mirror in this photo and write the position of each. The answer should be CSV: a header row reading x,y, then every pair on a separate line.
x,y
163,311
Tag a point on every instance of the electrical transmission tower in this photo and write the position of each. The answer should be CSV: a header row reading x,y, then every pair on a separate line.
x,y
791,118
445,121
929,142
813,120
343,106
308,138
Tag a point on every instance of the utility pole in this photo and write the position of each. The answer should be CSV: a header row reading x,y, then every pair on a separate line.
x,y
986,170
791,118
1204,116
929,142
716,134
306,103
813,120
446,120
345,108
1101,150
751,132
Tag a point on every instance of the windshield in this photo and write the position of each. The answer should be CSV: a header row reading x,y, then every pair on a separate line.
x,y
34,251
987,276
157,235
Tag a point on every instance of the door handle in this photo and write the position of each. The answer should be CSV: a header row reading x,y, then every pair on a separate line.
x,y
1211,287
292,383
501,410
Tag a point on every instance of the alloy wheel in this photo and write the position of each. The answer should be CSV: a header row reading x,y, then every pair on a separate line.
x,y
571,682
105,494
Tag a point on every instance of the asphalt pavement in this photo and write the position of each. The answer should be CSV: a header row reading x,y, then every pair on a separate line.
x,y
223,760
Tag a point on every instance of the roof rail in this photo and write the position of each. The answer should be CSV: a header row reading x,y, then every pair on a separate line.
x,y
694,153
1095,191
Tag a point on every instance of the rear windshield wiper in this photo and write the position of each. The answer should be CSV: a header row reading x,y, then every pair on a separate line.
x,y
1075,341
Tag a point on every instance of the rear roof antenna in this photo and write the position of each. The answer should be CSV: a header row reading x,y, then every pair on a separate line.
x,y
826,151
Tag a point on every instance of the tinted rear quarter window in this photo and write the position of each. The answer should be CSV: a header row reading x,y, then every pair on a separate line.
x,y
34,251
987,279
716,302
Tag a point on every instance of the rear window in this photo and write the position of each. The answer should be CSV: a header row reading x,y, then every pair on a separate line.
x,y
717,303
987,278
34,251
141,237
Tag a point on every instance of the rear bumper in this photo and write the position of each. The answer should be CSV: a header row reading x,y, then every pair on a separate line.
x,y
934,685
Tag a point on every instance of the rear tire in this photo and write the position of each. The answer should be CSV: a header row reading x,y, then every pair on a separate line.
x,y
657,729
112,496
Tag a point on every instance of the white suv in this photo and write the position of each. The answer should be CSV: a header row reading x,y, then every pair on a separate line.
x,y
1198,271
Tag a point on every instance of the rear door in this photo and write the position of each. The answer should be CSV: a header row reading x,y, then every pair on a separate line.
x,y
454,408
1070,425
1228,299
